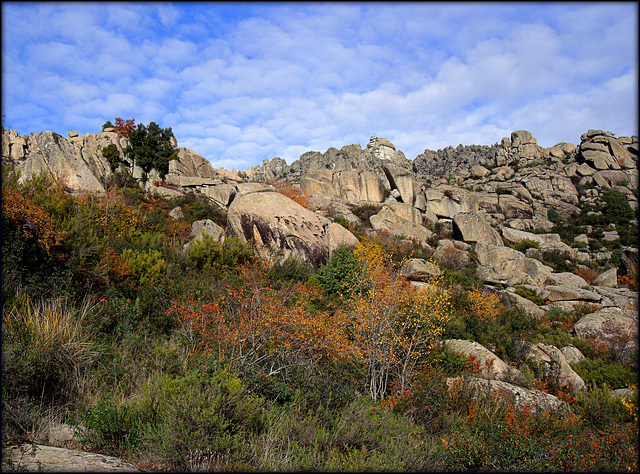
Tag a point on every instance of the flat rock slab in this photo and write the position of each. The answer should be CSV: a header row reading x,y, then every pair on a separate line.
x,y
41,458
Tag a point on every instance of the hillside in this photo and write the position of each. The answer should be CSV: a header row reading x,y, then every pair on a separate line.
x,y
471,308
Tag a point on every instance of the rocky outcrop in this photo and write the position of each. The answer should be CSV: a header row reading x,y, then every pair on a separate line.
x,y
490,366
41,458
280,228
534,400
550,362
611,327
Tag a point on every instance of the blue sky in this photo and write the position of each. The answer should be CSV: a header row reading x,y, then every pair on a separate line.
x,y
240,83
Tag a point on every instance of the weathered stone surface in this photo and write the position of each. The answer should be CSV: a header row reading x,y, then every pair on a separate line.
x,y
550,362
610,326
472,228
418,269
176,213
491,367
570,280
221,194
509,267
609,278
563,293
526,305
447,253
40,458
387,220
537,401
403,180
280,227
572,354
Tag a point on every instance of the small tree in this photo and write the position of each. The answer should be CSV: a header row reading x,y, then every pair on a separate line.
x,y
150,147
124,127
106,125
112,155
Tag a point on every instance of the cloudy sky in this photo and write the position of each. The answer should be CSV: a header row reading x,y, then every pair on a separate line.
x,y
240,83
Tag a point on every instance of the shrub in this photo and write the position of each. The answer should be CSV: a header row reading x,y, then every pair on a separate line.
x,y
198,414
528,294
50,348
150,147
112,155
148,267
208,254
602,372
616,208
523,245
553,215
341,274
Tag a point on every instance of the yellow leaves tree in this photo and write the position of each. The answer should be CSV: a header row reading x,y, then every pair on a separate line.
x,y
393,323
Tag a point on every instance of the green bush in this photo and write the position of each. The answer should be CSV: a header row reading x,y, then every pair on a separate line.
x,y
289,271
523,245
341,274
528,294
616,208
149,267
150,148
207,254
602,372
199,413
553,215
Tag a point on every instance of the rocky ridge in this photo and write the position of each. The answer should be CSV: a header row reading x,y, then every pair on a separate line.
x,y
465,204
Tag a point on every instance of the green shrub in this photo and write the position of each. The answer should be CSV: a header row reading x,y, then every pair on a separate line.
x,y
523,245
341,273
150,148
207,254
199,413
528,294
601,372
109,427
553,215
289,271
112,155
149,267
616,208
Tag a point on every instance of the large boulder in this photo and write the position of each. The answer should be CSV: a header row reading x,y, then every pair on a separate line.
x,y
280,227
447,201
57,156
504,265
396,223
549,361
611,327
41,458
403,180
472,228
535,400
490,366
418,269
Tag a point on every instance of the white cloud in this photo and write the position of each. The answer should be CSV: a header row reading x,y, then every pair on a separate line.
x,y
241,83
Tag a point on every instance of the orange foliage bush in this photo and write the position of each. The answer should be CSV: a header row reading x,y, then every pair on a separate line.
x,y
31,220
392,322
586,273
266,327
291,191
628,281
486,304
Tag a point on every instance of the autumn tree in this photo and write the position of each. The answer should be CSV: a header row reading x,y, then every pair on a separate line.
x,y
124,127
393,323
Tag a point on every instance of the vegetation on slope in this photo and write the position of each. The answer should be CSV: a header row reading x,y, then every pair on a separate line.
x,y
210,360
